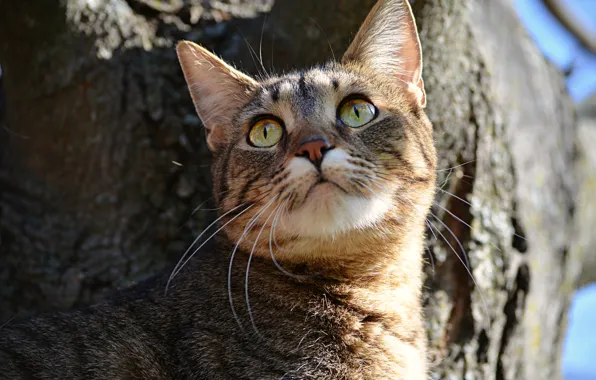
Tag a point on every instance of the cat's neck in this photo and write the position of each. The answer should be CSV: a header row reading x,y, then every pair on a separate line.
x,y
387,251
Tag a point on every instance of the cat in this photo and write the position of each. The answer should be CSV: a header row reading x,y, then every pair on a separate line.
x,y
323,179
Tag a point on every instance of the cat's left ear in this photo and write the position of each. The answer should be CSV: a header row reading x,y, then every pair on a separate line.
x,y
217,90
388,42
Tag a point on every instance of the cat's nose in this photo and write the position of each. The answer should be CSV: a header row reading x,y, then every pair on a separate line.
x,y
314,149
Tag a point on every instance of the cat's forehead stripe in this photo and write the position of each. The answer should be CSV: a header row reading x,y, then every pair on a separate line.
x,y
301,87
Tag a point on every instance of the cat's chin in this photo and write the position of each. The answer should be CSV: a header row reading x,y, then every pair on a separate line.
x,y
328,211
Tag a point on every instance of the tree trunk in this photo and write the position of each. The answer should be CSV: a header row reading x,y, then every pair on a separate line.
x,y
103,160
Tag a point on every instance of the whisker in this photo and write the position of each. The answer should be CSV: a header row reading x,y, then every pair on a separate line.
x,y
456,197
452,214
199,208
454,236
261,45
248,227
457,166
466,268
397,165
253,55
272,238
179,266
7,322
464,223
366,186
432,259
246,295
446,181
472,207
272,69
328,42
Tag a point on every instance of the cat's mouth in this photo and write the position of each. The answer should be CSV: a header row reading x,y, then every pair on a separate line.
x,y
323,187
329,207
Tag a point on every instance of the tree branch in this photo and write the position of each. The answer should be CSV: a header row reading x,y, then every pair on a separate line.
x,y
566,19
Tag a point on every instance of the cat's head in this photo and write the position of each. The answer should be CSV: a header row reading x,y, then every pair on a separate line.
x,y
327,153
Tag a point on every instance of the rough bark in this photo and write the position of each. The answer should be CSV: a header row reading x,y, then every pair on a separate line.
x,y
103,160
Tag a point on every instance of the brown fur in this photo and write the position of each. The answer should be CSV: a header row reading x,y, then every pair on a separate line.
x,y
299,285
378,268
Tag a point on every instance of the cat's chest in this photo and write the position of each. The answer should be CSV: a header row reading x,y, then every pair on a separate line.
x,y
346,343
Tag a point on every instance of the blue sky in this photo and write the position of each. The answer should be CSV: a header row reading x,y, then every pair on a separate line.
x,y
558,45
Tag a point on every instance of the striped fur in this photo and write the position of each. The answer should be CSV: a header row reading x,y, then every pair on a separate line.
x,y
316,273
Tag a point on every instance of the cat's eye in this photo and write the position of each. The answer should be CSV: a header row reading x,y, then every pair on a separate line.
x,y
356,112
265,133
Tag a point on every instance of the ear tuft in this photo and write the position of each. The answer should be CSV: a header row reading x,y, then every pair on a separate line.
x,y
388,42
217,89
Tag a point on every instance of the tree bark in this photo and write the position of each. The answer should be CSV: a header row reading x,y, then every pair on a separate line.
x,y
103,160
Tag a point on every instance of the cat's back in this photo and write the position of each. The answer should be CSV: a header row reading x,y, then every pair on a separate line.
x,y
192,326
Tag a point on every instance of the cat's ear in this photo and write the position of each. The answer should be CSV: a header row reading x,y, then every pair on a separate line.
x,y
388,42
216,88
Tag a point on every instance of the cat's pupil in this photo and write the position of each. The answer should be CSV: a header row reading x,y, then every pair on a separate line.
x,y
356,112
265,132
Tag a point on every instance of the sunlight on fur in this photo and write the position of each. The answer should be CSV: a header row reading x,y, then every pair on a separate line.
x,y
328,209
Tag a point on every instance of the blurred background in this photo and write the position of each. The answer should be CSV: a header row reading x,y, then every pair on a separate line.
x,y
104,173
565,32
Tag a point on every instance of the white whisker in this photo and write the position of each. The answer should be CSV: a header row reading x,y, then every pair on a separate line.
x,y
467,270
181,263
248,227
252,320
461,247
272,238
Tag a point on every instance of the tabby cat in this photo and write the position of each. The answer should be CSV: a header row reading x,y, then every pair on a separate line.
x,y
323,179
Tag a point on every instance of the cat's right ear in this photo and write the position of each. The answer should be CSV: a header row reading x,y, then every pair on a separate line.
x,y
217,90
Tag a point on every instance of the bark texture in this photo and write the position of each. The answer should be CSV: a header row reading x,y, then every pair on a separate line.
x,y
103,160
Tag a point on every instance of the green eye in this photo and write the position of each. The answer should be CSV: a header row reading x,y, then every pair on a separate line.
x,y
265,133
356,112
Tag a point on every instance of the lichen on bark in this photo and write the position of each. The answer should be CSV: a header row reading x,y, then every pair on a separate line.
x,y
104,161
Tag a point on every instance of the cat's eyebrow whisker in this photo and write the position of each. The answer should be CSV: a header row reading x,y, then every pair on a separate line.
x,y
261,45
248,227
327,38
253,54
246,295
181,263
272,45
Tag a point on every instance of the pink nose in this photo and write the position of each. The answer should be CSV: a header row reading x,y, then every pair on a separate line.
x,y
314,150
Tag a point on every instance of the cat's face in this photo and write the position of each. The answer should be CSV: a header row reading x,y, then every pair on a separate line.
x,y
336,146
325,152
